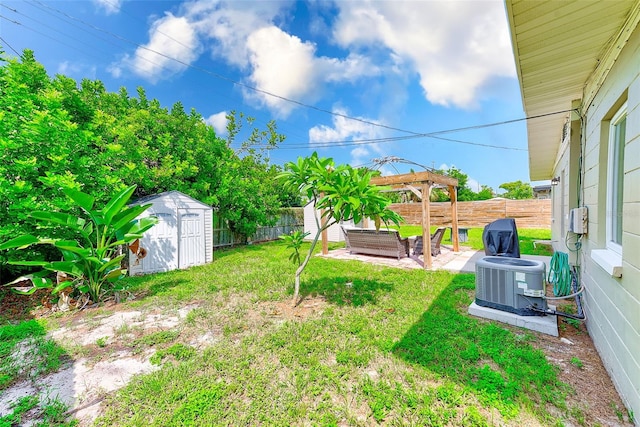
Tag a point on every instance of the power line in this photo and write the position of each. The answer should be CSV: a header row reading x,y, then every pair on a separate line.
x,y
412,134
48,36
69,18
228,79
144,22
6,43
45,25
434,135
346,143
66,21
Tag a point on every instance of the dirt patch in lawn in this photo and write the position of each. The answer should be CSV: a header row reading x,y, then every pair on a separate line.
x,y
285,310
106,362
595,399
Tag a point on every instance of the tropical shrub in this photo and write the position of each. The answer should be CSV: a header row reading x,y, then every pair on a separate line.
x,y
58,133
341,193
93,260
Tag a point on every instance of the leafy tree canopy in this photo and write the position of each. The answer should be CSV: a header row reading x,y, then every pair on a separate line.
x,y
57,134
465,193
517,190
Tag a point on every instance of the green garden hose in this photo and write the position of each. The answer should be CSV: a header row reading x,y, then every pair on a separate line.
x,y
560,274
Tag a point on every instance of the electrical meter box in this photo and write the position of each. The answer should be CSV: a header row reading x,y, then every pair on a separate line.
x,y
578,220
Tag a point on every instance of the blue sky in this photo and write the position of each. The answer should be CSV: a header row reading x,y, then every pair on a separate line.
x,y
358,81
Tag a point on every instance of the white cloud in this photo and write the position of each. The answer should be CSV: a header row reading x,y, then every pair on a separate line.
x,y
353,67
281,64
219,122
172,46
76,69
272,60
346,130
456,47
473,185
109,6
343,129
115,70
286,66
360,156
228,25
66,68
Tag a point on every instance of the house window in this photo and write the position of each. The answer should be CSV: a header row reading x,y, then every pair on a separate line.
x,y
615,179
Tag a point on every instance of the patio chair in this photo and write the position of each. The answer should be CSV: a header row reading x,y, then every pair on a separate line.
x,y
436,238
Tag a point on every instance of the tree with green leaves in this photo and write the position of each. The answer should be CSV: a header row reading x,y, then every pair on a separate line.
x,y
42,148
57,134
254,195
517,190
92,259
465,193
485,193
341,192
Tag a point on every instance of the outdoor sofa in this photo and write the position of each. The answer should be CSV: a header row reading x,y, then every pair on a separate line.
x,y
372,242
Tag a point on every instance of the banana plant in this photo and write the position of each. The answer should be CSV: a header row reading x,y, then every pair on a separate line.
x,y
92,261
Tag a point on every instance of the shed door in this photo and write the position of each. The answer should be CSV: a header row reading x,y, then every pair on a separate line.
x,y
161,242
192,239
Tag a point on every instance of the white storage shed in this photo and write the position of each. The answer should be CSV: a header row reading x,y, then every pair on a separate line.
x,y
183,236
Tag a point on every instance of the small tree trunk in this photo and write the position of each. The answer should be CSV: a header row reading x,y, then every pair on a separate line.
x,y
296,289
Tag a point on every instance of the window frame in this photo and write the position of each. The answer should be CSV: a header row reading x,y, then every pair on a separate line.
x,y
615,181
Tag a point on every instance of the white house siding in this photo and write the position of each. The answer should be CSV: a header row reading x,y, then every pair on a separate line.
x,y
180,248
560,199
612,304
334,233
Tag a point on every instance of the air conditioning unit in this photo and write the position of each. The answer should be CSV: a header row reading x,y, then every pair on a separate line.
x,y
509,284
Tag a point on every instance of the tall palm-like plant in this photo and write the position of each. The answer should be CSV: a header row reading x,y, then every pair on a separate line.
x,y
92,260
341,192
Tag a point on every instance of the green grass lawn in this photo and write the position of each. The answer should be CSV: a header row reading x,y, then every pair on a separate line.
x,y
526,236
376,346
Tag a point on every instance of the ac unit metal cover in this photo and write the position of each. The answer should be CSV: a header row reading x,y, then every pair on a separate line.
x,y
511,284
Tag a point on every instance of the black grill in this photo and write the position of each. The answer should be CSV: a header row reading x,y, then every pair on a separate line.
x,y
500,238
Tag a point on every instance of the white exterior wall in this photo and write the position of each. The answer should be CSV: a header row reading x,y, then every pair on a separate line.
x,y
175,211
560,199
612,304
334,233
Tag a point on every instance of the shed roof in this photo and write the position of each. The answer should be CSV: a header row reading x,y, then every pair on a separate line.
x,y
172,194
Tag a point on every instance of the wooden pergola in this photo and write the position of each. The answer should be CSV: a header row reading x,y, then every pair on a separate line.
x,y
420,184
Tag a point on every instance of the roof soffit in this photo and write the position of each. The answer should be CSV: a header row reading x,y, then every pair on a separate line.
x,y
559,47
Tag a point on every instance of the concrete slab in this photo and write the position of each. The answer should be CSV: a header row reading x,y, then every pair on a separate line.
x,y
545,324
456,262
465,262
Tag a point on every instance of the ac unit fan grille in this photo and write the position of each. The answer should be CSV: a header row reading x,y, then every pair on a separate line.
x,y
492,287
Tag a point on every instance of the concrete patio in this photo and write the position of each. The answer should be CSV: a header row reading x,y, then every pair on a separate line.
x,y
463,261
